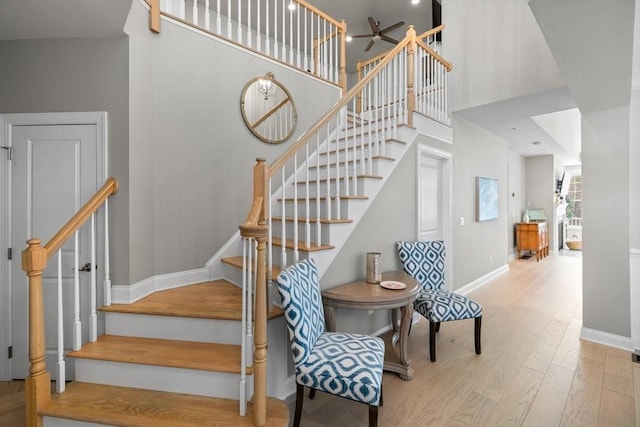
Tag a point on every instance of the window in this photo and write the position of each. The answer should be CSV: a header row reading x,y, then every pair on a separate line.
x,y
574,197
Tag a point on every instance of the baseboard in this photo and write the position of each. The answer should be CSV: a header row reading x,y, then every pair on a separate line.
x,y
162,282
605,338
479,282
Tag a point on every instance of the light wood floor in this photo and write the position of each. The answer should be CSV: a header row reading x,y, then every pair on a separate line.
x,y
533,371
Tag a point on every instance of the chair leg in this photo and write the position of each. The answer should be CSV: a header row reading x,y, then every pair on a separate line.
x,y
478,326
438,327
299,399
381,396
433,329
312,393
373,416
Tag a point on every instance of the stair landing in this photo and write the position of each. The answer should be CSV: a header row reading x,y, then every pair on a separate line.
x,y
123,406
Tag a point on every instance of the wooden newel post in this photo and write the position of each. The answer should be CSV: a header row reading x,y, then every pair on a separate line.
x,y
343,56
38,383
359,95
411,96
154,15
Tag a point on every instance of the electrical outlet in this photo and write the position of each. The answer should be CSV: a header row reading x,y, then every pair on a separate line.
x,y
490,258
370,312
461,220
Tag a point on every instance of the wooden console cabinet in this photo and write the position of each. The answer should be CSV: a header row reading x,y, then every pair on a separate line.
x,y
533,236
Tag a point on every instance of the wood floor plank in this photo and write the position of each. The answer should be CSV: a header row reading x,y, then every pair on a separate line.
x,y
518,398
616,410
583,403
549,403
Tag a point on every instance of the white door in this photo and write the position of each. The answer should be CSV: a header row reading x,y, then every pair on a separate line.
x,y
54,172
434,199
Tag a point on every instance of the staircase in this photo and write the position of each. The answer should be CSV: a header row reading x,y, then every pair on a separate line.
x,y
176,357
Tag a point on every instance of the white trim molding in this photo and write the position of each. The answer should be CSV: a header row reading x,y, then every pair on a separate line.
x,y
634,297
481,281
162,282
605,338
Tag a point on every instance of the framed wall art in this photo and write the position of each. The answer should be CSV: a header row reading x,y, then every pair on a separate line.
x,y
487,199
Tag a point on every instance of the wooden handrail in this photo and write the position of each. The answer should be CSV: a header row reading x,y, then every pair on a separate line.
x,y
34,262
433,53
431,32
110,187
364,63
304,138
318,12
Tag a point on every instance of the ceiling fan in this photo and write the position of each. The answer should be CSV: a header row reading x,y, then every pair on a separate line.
x,y
378,34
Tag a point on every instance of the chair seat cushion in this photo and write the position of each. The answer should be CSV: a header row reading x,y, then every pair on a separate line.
x,y
346,365
442,306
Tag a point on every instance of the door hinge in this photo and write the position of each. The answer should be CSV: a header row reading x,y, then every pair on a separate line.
x,y
10,253
9,152
10,352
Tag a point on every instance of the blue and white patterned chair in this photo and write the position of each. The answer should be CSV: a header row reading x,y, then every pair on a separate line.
x,y
345,365
425,261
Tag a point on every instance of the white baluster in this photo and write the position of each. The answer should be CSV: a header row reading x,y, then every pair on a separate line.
x,y
344,126
267,44
298,37
284,31
77,324
296,253
355,148
61,375
318,202
270,231
307,229
239,2
337,200
328,167
182,9
291,57
283,232
229,19
249,25
243,343
275,29
106,289
194,12
93,325
306,51
218,18
207,15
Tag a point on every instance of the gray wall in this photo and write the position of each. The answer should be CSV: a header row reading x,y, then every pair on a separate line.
x,y
191,154
72,75
516,194
605,234
540,187
392,217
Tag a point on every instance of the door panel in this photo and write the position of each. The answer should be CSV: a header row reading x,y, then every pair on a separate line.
x,y
430,215
53,174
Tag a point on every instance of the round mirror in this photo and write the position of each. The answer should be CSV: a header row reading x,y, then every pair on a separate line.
x,y
268,109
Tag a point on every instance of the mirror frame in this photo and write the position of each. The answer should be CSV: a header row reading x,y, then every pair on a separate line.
x,y
253,126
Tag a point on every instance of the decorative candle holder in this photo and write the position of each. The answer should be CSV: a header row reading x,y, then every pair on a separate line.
x,y
374,274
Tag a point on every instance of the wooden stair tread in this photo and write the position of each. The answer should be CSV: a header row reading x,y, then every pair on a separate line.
x,y
210,300
314,220
236,261
301,246
350,162
212,357
124,406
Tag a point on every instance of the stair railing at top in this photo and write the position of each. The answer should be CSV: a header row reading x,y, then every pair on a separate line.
x,y
340,148
430,77
289,31
34,262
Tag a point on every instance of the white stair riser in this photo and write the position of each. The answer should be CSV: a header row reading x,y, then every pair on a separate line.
x,y
377,128
390,148
160,378
357,188
324,211
373,170
173,328
325,232
63,422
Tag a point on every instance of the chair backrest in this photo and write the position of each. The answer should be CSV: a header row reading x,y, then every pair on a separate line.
x,y
302,302
424,261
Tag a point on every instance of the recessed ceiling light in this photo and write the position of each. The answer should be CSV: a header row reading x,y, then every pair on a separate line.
x,y
349,38
536,142
292,6
415,1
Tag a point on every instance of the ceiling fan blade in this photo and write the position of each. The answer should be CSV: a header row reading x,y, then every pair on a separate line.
x,y
392,27
370,45
374,25
389,39
360,36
